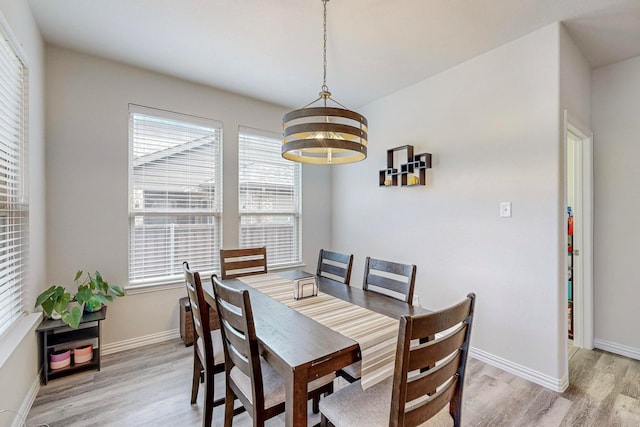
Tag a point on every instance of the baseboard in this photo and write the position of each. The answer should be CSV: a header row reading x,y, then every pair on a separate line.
x,y
27,403
616,348
139,341
552,383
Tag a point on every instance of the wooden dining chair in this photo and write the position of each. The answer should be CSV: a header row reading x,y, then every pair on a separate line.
x,y
208,352
426,387
249,377
243,262
389,278
335,266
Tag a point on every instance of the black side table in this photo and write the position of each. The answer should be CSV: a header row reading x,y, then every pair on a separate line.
x,y
56,335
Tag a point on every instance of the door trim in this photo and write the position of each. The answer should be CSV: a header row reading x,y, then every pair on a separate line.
x,y
583,233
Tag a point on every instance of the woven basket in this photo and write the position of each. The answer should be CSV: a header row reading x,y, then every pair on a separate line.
x,y
187,330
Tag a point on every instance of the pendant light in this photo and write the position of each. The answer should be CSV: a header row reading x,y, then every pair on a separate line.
x,y
324,134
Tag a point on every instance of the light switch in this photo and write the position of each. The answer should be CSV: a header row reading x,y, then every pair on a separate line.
x,y
505,209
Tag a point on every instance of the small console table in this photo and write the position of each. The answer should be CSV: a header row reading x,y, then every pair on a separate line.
x,y
56,335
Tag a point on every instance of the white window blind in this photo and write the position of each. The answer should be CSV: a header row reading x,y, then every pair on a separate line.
x,y
269,196
14,212
175,205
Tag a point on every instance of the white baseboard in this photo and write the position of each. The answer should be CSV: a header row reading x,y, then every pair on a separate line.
x,y
27,403
552,383
139,341
616,348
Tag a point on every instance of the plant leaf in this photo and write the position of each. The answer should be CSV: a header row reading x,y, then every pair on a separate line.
x,y
104,299
116,290
84,294
72,318
78,274
45,295
61,304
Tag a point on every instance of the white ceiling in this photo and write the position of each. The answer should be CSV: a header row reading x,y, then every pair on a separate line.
x,y
272,50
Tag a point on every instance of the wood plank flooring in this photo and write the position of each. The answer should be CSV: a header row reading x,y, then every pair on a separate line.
x,y
150,386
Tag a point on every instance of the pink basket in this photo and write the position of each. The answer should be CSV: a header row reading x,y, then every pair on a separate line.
x,y
60,359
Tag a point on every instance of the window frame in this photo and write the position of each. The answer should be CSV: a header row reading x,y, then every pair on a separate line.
x,y
295,212
14,209
214,213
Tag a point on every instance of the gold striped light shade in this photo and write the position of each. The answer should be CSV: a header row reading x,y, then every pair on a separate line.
x,y
324,136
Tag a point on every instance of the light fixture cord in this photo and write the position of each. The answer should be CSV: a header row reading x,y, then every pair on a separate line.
x,y
324,50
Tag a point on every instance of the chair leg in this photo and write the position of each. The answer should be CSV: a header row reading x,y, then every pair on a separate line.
x,y
324,391
228,407
195,383
208,400
316,404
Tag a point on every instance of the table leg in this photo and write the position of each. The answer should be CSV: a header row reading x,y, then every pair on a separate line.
x,y
296,397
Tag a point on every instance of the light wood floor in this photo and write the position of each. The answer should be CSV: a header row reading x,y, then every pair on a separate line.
x,y
151,386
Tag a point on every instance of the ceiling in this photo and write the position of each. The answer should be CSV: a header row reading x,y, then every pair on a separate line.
x,y
272,50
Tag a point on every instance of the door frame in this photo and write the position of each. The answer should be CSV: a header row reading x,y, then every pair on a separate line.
x,y
583,306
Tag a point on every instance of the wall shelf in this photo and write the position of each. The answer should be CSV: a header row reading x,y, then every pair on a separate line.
x,y
411,173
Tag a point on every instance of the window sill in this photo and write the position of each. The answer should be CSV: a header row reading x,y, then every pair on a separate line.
x,y
155,287
12,338
159,287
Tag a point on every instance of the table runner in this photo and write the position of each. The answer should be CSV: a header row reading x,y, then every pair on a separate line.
x,y
376,333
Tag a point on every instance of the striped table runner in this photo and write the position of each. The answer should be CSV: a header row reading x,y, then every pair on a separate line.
x,y
376,333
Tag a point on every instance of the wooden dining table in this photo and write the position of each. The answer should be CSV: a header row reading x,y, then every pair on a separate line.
x,y
301,349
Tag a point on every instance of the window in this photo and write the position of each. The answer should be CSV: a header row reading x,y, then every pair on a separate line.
x,y
175,200
14,207
269,196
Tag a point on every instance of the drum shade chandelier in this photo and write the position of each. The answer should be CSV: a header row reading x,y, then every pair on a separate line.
x,y
324,135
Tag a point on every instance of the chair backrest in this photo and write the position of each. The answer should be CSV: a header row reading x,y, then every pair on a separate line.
x,y
421,389
200,313
390,278
239,340
335,266
243,262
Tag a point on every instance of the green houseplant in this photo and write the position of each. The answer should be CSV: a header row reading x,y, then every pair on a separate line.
x,y
92,293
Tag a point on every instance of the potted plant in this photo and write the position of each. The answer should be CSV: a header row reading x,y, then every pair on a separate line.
x,y
58,303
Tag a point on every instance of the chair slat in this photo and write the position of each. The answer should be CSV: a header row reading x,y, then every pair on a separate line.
x,y
433,378
427,354
333,269
390,267
442,320
388,283
337,257
418,414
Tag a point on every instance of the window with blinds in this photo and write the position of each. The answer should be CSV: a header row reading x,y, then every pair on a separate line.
x,y
175,200
14,212
269,196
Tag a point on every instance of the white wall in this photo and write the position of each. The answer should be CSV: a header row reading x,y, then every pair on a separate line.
x,y
87,176
20,369
616,108
492,125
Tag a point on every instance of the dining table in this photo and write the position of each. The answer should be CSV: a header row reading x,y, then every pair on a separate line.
x,y
300,348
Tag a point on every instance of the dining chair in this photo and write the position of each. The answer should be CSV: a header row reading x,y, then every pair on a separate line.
x,y
335,266
208,352
426,387
389,278
249,377
243,262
